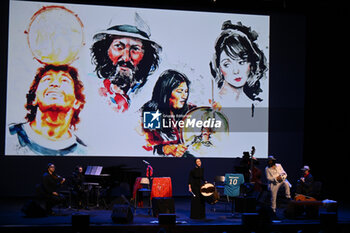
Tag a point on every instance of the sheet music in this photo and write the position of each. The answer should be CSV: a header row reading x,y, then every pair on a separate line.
x,y
93,170
88,170
98,170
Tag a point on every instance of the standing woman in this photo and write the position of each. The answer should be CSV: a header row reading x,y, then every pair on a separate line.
x,y
195,179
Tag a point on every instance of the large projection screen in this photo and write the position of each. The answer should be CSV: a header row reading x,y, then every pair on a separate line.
x,y
119,81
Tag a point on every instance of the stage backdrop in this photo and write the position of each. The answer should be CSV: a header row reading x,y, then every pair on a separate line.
x,y
223,97
285,77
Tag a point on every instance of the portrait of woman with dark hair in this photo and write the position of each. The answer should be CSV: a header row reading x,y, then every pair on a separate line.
x,y
169,97
238,65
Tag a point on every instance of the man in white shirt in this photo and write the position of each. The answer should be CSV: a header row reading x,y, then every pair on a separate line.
x,y
276,177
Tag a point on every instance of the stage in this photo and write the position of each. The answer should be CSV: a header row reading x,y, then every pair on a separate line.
x,y
12,219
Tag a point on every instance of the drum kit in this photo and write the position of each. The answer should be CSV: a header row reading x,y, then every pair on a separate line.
x,y
210,193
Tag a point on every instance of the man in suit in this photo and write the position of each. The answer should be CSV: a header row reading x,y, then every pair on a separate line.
x,y
276,177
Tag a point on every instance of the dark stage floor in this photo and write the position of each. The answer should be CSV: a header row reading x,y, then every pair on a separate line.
x,y
13,220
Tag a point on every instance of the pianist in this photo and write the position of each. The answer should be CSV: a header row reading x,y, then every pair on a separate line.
x,y
80,194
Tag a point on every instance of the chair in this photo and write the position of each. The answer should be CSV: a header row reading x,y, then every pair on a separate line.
x,y
219,183
232,187
40,194
67,191
316,190
49,199
67,194
145,183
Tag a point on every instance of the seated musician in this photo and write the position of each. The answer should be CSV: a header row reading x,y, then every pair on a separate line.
x,y
256,176
245,165
50,184
305,183
276,177
252,174
80,194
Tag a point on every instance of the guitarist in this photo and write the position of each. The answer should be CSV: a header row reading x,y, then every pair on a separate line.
x,y
304,185
276,177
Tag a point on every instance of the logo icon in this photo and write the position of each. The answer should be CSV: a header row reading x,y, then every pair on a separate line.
x,y
151,120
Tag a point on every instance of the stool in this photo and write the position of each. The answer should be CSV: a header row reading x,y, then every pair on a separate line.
x,y
145,183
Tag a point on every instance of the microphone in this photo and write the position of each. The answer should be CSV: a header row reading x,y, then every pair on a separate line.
x,y
145,162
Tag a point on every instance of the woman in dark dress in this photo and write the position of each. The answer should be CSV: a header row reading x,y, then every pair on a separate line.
x,y
195,180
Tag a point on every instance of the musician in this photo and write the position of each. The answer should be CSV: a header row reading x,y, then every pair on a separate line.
x,y
79,192
256,176
245,165
248,167
195,180
50,183
276,177
304,185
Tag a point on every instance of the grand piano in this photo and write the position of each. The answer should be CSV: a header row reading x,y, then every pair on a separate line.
x,y
107,183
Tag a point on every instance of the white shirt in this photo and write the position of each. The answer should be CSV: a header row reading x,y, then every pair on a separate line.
x,y
273,172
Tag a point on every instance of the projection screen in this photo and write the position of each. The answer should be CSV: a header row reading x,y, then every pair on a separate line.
x,y
94,80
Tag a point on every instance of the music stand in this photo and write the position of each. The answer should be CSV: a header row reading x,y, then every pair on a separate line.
x,y
95,171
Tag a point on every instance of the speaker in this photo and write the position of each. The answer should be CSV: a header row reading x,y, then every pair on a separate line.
x,y
298,208
122,214
163,205
328,219
250,221
167,219
245,204
80,222
293,210
121,200
33,209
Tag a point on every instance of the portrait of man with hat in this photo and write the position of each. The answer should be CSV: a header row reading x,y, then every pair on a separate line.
x,y
124,56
